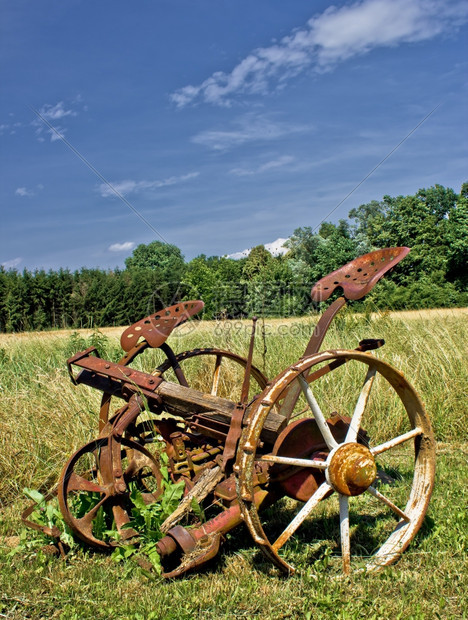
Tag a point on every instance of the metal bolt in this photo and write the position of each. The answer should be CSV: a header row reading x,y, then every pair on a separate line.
x,y
120,487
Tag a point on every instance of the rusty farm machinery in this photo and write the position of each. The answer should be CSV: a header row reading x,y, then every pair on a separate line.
x,y
270,457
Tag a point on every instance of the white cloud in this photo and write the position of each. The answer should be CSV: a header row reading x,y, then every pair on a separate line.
x,y
276,248
133,187
56,112
122,187
11,264
328,38
247,128
9,127
54,134
126,246
43,129
239,255
22,191
52,114
269,165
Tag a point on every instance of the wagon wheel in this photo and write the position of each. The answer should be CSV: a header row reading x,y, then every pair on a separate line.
x,y
216,371
89,503
386,480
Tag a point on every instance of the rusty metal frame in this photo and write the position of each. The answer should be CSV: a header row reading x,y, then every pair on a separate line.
x,y
240,456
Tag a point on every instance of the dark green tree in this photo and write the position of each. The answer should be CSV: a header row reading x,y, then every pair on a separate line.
x,y
166,258
457,237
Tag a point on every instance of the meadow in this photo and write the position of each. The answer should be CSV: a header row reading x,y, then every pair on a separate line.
x,y
44,418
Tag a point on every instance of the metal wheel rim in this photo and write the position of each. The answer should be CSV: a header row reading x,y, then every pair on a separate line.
x,y
82,530
255,372
424,468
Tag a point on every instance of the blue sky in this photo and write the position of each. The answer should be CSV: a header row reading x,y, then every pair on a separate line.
x,y
223,123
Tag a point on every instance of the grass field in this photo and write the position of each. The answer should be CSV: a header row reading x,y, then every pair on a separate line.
x,y
44,418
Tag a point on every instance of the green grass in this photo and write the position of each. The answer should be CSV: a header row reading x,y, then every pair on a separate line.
x,y
430,580
44,418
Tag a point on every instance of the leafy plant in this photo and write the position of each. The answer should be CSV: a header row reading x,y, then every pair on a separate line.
x,y
45,514
106,349
147,520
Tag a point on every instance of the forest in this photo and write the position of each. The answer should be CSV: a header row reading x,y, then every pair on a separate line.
x,y
433,223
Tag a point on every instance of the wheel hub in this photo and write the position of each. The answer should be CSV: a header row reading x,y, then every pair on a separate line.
x,y
351,469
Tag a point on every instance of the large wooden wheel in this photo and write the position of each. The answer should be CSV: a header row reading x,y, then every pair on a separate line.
x,y
380,467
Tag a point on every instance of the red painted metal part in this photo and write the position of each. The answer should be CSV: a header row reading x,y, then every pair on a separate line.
x,y
302,439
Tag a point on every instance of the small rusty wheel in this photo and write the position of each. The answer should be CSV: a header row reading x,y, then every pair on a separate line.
x,y
380,465
91,505
216,372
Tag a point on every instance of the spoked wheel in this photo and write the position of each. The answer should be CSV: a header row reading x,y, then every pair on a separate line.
x,y
377,470
91,504
215,371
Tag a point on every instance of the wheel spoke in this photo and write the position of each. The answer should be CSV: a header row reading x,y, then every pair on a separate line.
x,y
355,425
77,494
351,467
86,522
383,447
121,519
305,511
78,483
377,494
215,379
317,412
286,460
344,533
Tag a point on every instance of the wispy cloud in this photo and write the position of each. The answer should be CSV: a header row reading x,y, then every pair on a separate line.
x,y
56,112
328,38
134,187
11,264
22,191
9,128
247,128
53,114
269,165
126,246
25,192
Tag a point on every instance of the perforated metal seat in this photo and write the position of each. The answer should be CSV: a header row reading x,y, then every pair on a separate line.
x,y
359,276
156,328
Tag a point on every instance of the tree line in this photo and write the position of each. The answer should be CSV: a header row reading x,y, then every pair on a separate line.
x,y
433,223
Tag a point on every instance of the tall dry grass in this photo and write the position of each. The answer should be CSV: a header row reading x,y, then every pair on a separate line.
x,y
44,418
